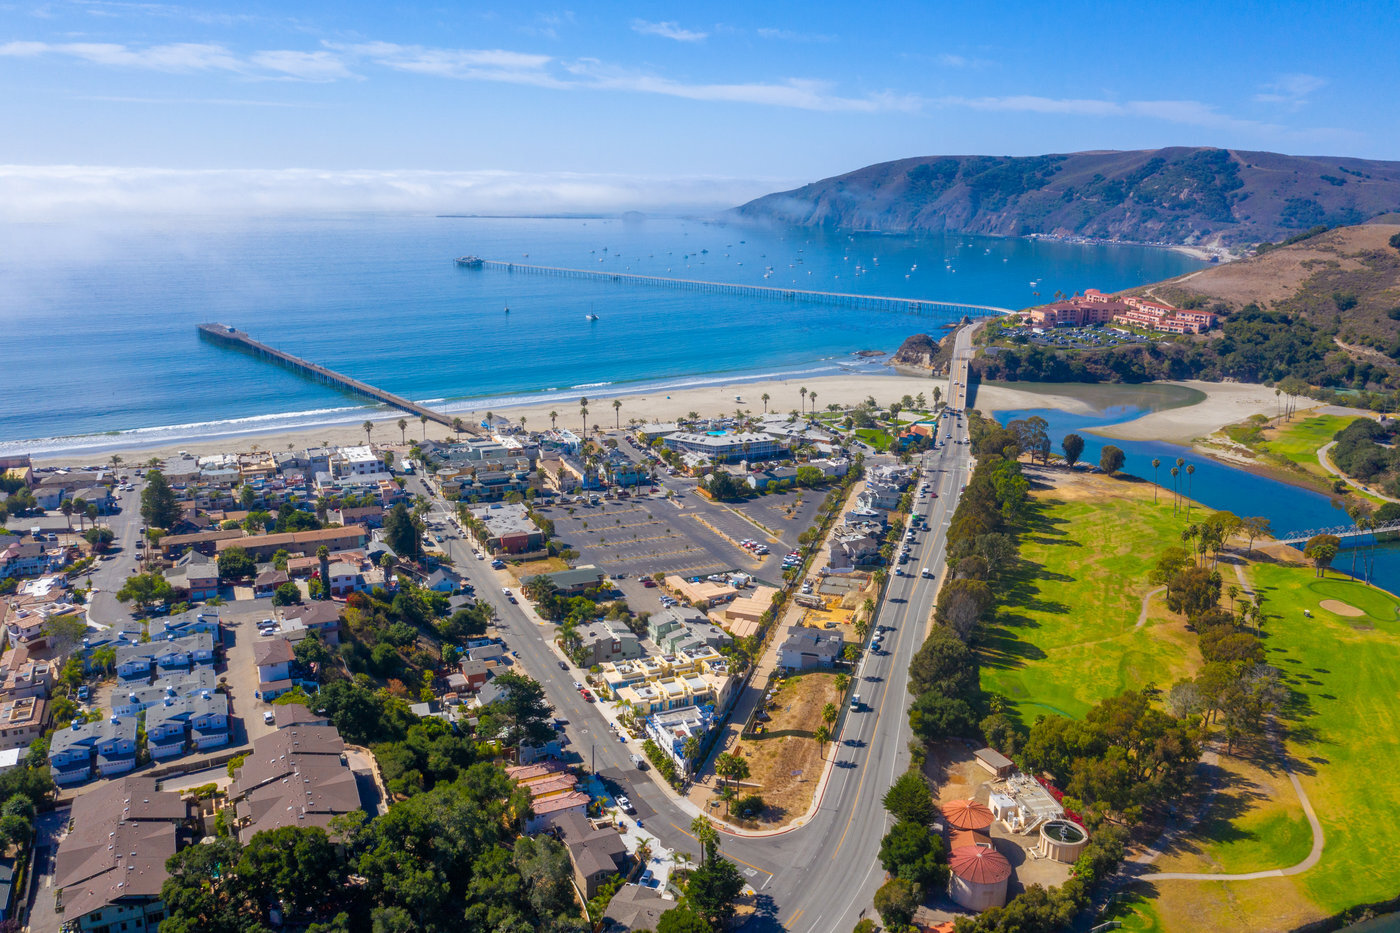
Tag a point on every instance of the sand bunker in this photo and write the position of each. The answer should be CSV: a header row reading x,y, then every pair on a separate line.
x,y
1341,608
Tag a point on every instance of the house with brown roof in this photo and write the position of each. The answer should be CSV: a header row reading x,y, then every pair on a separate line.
x,y
297,776
111,864
267,582
274,658
262,547
595,851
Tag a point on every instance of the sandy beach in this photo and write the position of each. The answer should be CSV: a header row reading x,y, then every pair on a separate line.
x,y
1224,404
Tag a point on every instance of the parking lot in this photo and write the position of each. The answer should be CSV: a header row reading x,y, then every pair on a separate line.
x,y
1092,337
642,536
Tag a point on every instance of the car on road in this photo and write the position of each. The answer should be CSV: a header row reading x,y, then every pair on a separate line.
x,y
269,717
84,693
639,762
855,702
578,686
625,805
649,583
586,695
563,666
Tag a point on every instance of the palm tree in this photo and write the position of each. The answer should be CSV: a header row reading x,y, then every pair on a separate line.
x,y
812,397
1190,472
705,833
457,425
1174,472
1233,592
115,460
368,427
617,412
403,426
803,392
937,395
67,509
323,554
822,735
644,854
765,396
522,424
829,713
423,420
553,416
1155,464
386,561
583,411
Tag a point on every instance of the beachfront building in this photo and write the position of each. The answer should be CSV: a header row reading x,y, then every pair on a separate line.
x,y
728,446
1094,307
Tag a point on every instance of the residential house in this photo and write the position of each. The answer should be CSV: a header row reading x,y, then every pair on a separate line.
x,y
853,545
193,622
200,719
107,744
607,641
267,582
553,793
809,648
21,720
321,617
110,865
24,676
762,479
205,542
295,776
595,851
634,907
197,574
274,658
475,673
296,714
371,516
131,701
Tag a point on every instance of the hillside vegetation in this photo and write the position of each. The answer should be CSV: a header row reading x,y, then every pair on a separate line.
x,y
1179,195
1322,313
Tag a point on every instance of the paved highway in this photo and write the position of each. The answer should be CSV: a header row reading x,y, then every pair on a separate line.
x,y
822,875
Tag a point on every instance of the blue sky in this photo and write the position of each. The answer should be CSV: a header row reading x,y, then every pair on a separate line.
x,y
540,106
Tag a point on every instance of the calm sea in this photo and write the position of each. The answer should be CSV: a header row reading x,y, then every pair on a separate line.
x,y
99,320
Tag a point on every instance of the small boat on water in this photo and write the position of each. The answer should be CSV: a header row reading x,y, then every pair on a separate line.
x,y
590,317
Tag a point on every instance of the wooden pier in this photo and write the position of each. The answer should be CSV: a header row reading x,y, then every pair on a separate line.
x,y
841,299
228,336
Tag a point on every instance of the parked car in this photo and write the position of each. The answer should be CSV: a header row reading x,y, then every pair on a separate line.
x,y
563,666
625,805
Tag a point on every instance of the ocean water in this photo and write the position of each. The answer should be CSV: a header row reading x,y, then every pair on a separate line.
x,y
99,319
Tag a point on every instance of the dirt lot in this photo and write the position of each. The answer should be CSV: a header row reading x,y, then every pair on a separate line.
x,y
786,769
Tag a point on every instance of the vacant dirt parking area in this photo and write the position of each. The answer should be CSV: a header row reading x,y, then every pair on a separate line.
x,y
785,769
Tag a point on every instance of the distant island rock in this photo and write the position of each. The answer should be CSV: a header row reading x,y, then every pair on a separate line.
x,y
869,354
1176,196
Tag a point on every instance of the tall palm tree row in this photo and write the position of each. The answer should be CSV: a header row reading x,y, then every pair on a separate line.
x,y
1155,485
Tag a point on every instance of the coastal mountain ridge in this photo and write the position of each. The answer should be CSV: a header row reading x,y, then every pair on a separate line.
x,y
1178,195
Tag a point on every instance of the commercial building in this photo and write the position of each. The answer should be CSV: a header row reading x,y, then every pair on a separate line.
x,y
671,729
573,582
728,447
509,528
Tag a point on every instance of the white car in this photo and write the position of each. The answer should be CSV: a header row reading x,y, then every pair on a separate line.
x,y
625,805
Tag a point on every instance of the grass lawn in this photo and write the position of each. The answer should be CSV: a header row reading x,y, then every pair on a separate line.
x,y
1344,725
1066,636
875,437
1343,676
1297,443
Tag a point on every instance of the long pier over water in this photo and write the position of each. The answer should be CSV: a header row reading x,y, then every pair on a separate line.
x,y
840,299
228,336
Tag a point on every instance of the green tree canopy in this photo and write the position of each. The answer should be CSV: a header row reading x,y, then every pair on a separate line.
x,y
159,508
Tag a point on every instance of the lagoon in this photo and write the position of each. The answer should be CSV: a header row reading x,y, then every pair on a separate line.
x,y
1216,485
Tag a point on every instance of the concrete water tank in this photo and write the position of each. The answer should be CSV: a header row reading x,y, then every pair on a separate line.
x,y
1062,840
978,877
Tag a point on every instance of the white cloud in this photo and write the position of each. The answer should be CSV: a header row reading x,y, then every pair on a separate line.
x,y
667,30
1194,113
463,64
173,57
798,93
305,66
1290,90
788,35
66,190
